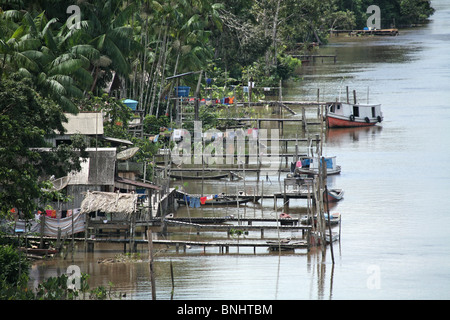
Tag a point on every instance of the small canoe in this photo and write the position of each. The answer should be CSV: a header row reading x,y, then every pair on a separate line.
x,y
198,176
335,195
39,252
229,200
335,218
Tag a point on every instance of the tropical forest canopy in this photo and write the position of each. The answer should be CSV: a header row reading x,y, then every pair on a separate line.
x,y
142,42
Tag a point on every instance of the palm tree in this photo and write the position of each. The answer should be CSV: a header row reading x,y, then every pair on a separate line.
x,y
58,70
180,42
111,35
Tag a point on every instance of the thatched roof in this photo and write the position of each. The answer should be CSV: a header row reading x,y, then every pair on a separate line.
x,y
109,202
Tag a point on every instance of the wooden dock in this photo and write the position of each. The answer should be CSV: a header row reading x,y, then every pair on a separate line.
x,y
280,121
223,245
242,227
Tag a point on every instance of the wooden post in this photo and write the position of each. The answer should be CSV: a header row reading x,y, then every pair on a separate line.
x,y
172,278
303,118
41,244
354,96
73,237
329,225
197,97
58,238
250,87
280,92
131,232
262,196
150,254
348,99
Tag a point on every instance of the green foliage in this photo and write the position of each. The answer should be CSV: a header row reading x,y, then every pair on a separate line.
x,y
14,268
25,120
14,277
207,117
396,13
152,124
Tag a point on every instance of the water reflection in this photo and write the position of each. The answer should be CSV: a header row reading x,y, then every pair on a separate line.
x,y
344,135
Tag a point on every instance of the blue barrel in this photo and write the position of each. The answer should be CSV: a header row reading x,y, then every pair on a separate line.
x,y
132,104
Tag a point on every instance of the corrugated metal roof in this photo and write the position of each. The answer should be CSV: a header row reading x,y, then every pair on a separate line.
x,y
137,183
88,123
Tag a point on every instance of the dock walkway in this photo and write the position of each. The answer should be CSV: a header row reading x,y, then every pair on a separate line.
x,y
223,245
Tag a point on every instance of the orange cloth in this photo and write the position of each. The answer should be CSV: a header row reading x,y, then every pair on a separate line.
x,y
202,200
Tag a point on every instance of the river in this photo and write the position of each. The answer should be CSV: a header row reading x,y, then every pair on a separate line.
x,y
394,243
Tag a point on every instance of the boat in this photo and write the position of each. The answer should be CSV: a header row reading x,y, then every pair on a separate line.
x,y
347,115
335,219
222,200
282,244
198,176
310,166
335,195
39,251
335,236
287,220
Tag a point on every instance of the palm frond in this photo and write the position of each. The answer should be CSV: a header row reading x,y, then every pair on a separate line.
x,y
67,105
28,44
86,50
24,73
24,60
119,62
83,77
66,66
55,87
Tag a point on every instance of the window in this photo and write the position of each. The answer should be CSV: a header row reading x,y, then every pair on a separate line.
x,y
373,112
356,111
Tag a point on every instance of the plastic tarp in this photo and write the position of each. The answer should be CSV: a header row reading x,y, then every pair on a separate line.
x,y
51,225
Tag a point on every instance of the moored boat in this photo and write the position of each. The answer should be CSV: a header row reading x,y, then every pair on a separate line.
x,y
219,200
198,176
335,219
310,166
335,195
346,115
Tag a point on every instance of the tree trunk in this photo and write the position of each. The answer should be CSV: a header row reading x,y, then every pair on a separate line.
x,y
158,69
274,34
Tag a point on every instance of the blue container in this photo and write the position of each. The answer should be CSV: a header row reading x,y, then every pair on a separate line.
x,y
182,91
132,104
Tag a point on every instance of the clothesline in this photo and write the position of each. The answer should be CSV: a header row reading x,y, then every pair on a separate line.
x,y
196,202
67,225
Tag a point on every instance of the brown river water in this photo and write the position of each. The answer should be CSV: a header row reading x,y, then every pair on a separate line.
x,y
395,239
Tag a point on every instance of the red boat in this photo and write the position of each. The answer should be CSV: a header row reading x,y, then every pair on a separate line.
x,y
347,115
